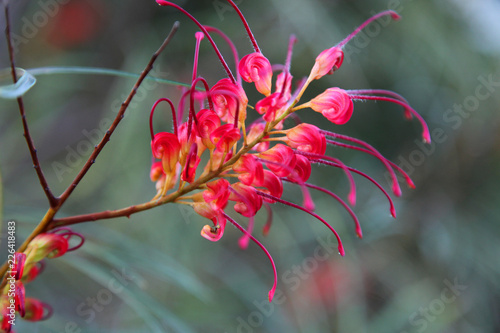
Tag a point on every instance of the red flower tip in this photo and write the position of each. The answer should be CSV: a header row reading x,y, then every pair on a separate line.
x,y
335,104
166,147
19,260
208,121
217,194
308,138
19,298
225,137
393,211
248,202
250,169
270,295
216,232
359,231
255,67
327,61
270,105
228,97
352,198
282,159
36,310
341,250
156,171
189,172
48,245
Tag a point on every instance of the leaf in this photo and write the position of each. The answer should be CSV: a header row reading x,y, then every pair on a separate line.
x,y
9,90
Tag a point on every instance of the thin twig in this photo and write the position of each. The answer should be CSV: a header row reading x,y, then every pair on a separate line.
x,y
31,146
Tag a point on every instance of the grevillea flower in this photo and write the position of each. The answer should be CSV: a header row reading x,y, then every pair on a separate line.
x,y
308,138
229,98
166,147
283,159
250,170
335,104
247,163
254,67
326,62
248,201
36,310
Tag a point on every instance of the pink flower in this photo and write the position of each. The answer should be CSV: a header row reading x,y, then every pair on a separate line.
x,y
307,137
217,194
248,201
282,159
327,61
166,147
227,98
270,105
254,67
335,104
272,183
250,169
225,137
208,121
301,171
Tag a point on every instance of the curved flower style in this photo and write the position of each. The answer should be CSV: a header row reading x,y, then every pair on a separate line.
x,y
254,67
335,104
247,163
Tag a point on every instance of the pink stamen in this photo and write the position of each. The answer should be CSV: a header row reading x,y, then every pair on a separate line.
x,y
408,114
352,194
291,43
231,45
395,184
308,203
267,226
273,289
199,36
247,27
359,232
221,59
174,120
425,129
395,16
192,114
408,180
244,240
340,246
392,209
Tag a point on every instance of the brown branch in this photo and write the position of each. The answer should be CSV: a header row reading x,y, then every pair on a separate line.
x,y
31,146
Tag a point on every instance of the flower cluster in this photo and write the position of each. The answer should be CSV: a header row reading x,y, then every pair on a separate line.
x,y
24,268
245,164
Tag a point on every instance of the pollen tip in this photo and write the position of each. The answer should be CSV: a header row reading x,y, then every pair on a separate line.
x,y
243,242
393,212
270,295
427,137
395,16
341,250
352,199
359,233
396,189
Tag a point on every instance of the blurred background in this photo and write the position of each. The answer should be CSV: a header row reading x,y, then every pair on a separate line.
x,y
433,269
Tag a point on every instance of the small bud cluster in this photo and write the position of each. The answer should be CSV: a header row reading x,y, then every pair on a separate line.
x,y
25,268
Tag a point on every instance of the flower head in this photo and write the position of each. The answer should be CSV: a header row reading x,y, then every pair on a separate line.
x,y
247,163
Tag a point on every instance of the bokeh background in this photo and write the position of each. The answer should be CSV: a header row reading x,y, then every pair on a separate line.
x,y
433,269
